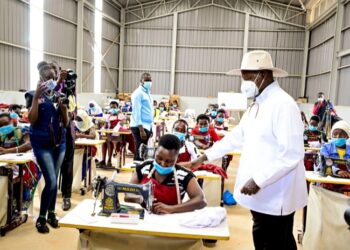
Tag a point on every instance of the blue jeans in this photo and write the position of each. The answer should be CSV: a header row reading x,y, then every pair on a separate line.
x,y
50,161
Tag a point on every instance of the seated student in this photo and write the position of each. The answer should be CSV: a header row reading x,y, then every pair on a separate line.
x,y
15,113
174,106
188,151
160,111
85,128
227,113
219,122
123,126
313,138
209,109
168,192
204,134
94,109
127,107
12,140
337,148
111,121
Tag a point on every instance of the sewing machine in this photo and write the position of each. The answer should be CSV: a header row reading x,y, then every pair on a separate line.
x,y
111,189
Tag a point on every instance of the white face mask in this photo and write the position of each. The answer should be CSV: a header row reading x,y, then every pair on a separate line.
x,y
320,99
249,88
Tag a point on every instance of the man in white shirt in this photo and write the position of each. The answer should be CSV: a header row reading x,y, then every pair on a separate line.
x,y
271,175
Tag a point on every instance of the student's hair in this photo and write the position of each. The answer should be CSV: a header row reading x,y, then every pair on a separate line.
x,y
170,142
145,75
114,102
220,111
161,103
5,114
14,106
315,118
183,121
320,93
203,117
42,67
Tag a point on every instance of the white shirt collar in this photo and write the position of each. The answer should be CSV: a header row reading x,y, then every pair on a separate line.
x,y
267,91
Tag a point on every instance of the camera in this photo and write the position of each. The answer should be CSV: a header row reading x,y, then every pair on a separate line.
x,y
71,79
56,96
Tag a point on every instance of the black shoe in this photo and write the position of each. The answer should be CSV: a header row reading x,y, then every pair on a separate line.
x,y
66,205
101,164
109,165
41,226
52,220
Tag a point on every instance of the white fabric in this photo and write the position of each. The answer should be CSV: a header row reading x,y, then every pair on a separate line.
x,y
3,199
258,60
343,125
203,218
326,228
270,137
91,240
191,148
77,169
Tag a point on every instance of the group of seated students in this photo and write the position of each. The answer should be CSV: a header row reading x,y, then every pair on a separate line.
x,y
334,154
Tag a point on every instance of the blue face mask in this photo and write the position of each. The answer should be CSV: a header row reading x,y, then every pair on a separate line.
x,y
93,108
220,120
203,129
5,130
181,136
339,142
147,85
312,128
114,111
162,170
161,109
213,113
14,115
174,105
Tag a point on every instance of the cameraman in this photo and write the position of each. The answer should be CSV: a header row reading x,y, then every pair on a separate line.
x,y
48,138
66,85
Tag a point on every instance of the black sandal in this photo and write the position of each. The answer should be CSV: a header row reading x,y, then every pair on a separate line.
x,y
41,226
52,220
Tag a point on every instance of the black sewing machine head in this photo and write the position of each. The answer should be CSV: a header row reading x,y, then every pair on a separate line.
x,y
110,190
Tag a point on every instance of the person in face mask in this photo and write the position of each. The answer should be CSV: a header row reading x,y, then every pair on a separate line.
x,y
188,151
94,109
85,128
160,111
338,148
313,138
320,105
219,122
171,182
271,176
142,114
203,134
12,140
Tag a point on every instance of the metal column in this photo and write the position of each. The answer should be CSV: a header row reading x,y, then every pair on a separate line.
x,y
80,33
305,63
334,85
121,52
246,34
173,54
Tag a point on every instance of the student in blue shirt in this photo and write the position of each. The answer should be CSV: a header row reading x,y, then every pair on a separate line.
x,y
47,133
142,113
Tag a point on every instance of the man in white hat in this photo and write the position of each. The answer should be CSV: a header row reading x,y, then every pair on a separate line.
x,y
271,175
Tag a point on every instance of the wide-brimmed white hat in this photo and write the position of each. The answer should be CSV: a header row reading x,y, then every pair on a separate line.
x,y
257,60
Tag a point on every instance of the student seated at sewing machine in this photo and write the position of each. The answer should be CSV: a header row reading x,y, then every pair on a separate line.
x,y
94,109
160,112
111,121
219,121
337,148
313,138
168,191
85,128
12,140
203,134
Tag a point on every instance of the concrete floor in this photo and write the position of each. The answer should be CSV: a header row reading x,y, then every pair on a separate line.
x,y
26,236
